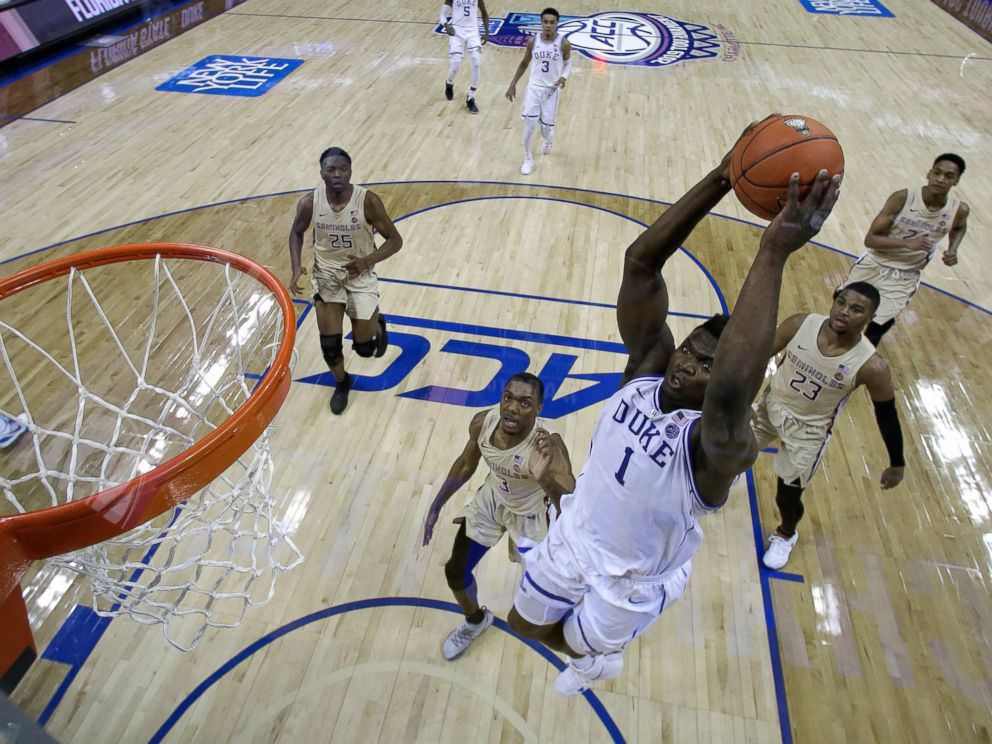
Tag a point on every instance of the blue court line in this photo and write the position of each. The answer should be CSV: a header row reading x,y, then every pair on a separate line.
x,y
38,118
706,273
268,638
490,183
765,575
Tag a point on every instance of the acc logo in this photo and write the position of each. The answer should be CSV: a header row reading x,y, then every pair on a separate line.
x,y
799,125
671,431
616,37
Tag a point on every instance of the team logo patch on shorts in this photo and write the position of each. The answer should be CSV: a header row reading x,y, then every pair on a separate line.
x,y
223,75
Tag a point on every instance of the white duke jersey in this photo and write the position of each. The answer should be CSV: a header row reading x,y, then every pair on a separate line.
x,y
912,221
510,476
336,234
636,507
465,15
547,63
812,387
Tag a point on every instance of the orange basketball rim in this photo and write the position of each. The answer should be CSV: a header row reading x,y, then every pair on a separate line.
x,y
40,534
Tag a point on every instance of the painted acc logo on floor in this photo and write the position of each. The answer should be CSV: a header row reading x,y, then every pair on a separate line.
x,y
414,348
616,37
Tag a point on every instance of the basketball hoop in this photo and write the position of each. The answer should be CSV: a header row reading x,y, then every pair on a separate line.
x,y
147,464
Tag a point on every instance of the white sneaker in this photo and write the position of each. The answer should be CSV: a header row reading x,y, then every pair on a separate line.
x,y
779,549
574,681
461,637
527,167
546,147
11,429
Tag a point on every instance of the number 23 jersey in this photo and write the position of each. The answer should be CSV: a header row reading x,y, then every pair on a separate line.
x,y
812,387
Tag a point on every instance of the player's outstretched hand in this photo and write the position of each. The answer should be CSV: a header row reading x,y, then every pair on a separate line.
x,y
892,477
294,282
801,220
430,523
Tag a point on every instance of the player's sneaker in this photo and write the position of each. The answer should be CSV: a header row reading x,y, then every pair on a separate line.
x,y
546,147
779,548
528,166
11,429
339,401
461,637
575,681
472,108
449,91
381,340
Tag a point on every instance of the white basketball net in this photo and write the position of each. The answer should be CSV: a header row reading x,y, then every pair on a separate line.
x,y
140,373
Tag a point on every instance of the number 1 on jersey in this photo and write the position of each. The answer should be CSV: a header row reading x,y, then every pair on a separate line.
x,y
623,466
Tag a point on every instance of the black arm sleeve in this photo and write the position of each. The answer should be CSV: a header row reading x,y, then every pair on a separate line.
x,y
888,424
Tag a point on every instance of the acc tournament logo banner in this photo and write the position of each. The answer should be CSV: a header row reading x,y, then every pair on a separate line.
x,y
616,37
222,75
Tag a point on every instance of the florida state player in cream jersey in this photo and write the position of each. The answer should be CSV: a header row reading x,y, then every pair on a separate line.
x,y
904,236
667,448
552,57
826,358
344,280
529,470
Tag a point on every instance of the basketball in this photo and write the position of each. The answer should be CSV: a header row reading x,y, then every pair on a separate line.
x,y
765,158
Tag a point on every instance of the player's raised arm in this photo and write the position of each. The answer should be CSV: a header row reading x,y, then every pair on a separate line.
x,y
723,444
642,303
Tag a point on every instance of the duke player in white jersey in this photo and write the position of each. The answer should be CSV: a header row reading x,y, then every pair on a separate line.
x,y
552,56
344,258
904,236
529,470
826,358
667,448
460,19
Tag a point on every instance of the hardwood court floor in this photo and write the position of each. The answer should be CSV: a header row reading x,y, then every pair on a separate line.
x,y
880,631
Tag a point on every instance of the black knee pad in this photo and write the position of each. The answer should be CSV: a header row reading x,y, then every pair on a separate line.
x,y
332,347
874,331
364,348
454,572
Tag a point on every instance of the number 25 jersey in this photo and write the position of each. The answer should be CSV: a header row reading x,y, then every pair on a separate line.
x,y
338,234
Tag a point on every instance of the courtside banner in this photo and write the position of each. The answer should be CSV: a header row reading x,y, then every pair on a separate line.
x,y
45,21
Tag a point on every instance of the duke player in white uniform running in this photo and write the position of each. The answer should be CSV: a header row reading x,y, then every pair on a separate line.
x,y
826,359
460,19
529,470
668,446
904,236
344,255
552,56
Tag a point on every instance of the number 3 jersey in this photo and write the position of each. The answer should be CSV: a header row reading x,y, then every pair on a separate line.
x,y
811,387
509,469
636,507
338,234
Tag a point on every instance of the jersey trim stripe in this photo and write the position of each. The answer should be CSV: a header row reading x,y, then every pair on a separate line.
x,y
687,450
545,592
